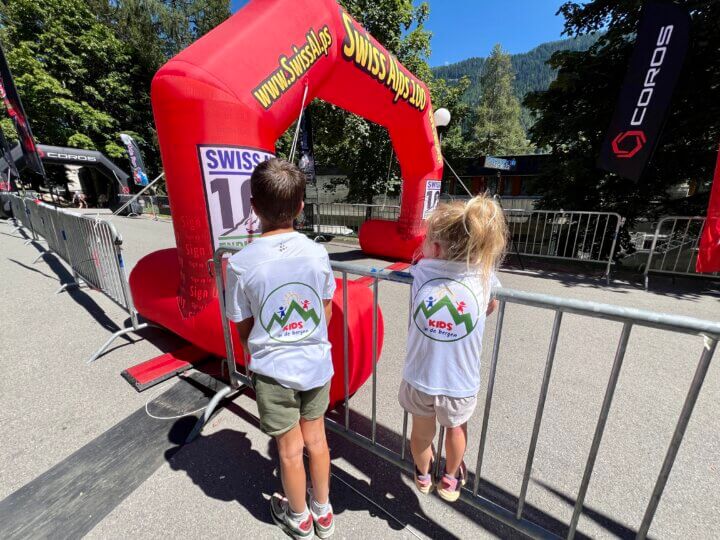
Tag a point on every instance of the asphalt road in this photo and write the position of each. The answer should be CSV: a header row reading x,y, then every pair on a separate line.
x,y
60,415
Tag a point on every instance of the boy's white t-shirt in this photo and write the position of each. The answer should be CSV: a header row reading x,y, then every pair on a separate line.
x,y
281,281
446,328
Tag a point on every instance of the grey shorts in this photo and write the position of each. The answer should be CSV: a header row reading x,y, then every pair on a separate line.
x,y
450,411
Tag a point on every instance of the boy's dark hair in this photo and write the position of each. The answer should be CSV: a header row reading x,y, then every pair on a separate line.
x,y
277,188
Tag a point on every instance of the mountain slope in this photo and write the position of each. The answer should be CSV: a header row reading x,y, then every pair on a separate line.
x,y
531,72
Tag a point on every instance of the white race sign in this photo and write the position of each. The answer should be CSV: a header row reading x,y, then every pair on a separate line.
x,y
432,196
226,174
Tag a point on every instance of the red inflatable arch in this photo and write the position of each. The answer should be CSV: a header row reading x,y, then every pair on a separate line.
x,y
240,87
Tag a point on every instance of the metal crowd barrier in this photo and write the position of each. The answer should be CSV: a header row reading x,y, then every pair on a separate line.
x,y
570,235
675,247
92,248
156,205
21,215
342,219
514,517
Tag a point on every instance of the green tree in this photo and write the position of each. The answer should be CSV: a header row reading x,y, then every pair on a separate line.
x,y
83,68
70,70
498,130
153,31
574,113
360,148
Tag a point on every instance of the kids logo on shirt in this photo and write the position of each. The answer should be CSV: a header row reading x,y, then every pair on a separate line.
x,y
291,312
445,310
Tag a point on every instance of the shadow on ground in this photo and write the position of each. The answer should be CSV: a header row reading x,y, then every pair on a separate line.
x,y
224,465
58,271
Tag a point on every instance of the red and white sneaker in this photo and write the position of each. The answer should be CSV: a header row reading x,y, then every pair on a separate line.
x,y
324,524
280,510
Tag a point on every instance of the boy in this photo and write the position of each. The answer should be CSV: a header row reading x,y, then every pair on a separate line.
x,y
279,291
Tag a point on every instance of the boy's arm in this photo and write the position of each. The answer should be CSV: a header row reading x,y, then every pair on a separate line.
x,y
244,328
328,310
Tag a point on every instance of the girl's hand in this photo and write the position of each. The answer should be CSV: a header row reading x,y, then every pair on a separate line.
x,y
492,306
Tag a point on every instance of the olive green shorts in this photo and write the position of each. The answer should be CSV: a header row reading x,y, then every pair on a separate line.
x,y
281,408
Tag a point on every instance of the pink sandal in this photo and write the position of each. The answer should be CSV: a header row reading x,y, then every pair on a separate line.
x,y
449,487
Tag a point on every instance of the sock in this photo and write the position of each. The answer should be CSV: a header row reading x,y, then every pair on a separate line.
x,y
298,518
320,509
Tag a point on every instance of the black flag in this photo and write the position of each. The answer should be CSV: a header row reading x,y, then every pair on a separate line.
x,y
6,183
15,109
660,47
307,160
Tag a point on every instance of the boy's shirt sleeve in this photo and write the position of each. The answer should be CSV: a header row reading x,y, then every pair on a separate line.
x,y
329,286
237,305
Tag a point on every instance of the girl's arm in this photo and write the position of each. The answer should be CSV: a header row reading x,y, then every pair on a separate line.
x,y
492,306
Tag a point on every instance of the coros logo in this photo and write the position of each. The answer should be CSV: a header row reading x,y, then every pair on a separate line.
x,y
58,155
445,310
291,313
653,71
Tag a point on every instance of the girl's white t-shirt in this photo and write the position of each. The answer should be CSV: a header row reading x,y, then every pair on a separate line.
x,y
446,328
282,281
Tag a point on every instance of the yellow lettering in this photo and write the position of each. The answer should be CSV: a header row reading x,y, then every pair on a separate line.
x,y
288,68
390,82
262,97
383,70
349,41
361,50
376,62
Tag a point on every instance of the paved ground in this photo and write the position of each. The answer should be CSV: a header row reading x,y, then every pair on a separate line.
x,y
85,454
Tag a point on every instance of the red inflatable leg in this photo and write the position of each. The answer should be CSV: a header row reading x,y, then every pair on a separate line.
x,y
205,328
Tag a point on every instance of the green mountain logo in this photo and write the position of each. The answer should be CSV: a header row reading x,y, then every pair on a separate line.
x,y
294,307
446,303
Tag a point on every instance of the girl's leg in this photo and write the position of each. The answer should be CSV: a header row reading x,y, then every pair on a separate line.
x,y
455,444
421,438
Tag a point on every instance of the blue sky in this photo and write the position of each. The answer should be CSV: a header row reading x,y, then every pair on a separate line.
x,y
465,28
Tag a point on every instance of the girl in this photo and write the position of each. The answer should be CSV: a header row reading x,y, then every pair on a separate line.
x,y
463,246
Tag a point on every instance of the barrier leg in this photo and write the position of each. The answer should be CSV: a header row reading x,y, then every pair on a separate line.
x,y
600,428
42,255
112,338
677,437
209,410
67,286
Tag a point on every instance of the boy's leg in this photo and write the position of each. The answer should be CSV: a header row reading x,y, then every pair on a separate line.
x,y
292,468
455,444
421,438
313,433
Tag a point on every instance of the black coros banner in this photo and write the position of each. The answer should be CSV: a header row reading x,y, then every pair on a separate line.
x,y
660,47
15,109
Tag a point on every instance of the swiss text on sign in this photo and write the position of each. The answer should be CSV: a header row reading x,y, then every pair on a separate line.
x,y
226,174
432,196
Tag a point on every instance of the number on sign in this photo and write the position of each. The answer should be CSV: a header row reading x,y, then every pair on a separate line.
x,y
221,186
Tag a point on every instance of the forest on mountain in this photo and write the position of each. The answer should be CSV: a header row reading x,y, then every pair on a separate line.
x,y
532,72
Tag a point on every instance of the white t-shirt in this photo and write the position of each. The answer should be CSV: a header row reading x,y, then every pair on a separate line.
x,y
446,328
281,281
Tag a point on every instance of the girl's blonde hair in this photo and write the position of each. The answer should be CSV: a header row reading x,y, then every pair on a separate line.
x,y
474,232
